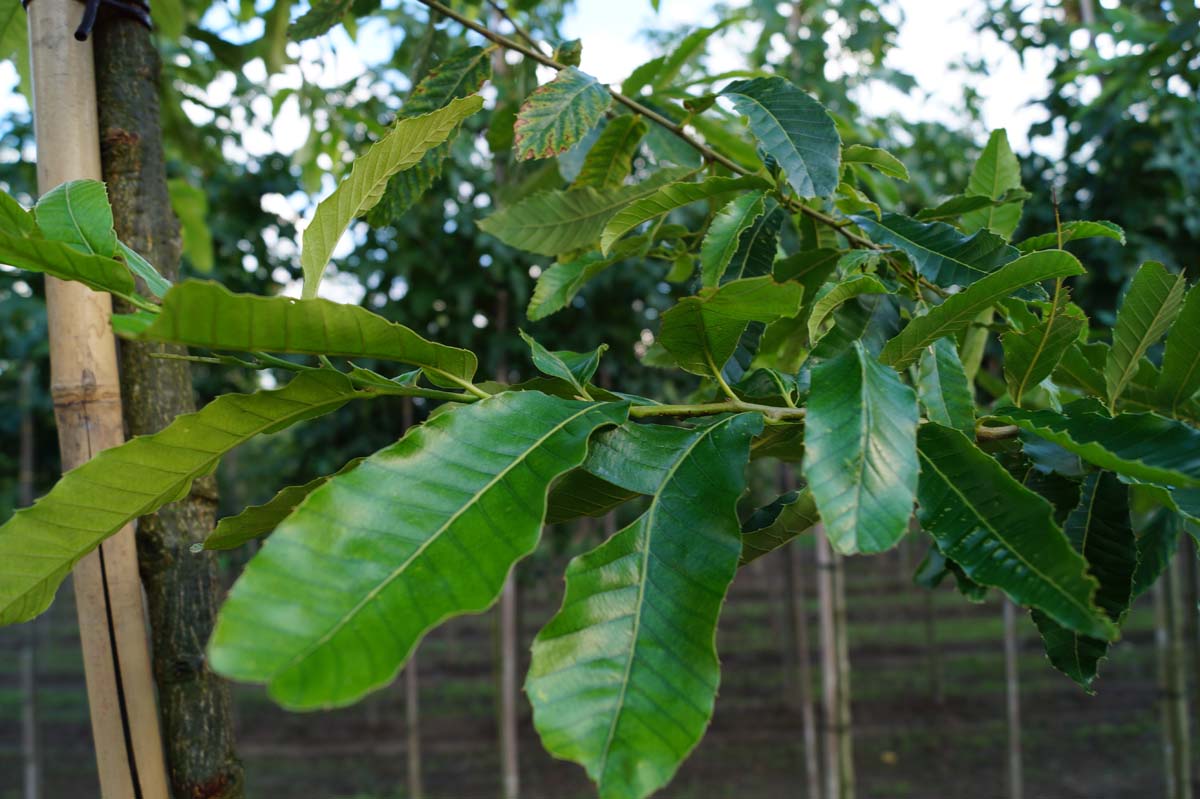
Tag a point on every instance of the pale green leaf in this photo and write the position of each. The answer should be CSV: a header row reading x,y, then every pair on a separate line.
x,y
996,172
640,607
1151,305
1180,379
423,530
721,241
668,198
943,388
774,525
558,114
156,283
956,314
609,160
402,147
702,332
875,158
77,213
1001,533
1031,355
860,451
576,368
1073,231
832,295
205,314
40,544
794,129
558,222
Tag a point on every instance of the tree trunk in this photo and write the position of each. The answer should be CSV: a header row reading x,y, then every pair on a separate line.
x,y
1172,681
799,602
181,586
30,751
87,408
1012,685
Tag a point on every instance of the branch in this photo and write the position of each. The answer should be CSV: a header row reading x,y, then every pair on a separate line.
x,y
709,154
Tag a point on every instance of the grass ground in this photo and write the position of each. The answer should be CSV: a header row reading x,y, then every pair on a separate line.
x,y
906,743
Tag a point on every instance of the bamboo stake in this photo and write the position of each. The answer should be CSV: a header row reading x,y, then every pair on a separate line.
x,y
30,750
1173,683
845,737
1012,684
829,664
87,406
412,687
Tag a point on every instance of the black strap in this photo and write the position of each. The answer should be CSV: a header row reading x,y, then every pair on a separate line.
x,y
135,9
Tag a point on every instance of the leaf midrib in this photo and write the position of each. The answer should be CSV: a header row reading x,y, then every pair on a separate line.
x,y
642,581
374,593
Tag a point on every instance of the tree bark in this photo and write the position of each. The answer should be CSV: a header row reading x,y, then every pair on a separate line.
x,y
1012,684
30,750
181,586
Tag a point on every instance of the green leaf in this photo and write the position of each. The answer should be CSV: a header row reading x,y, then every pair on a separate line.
x,y
757,245
206,314
608,162
1143,446
40,544
156,283
1180,379
576,368
580,493
401,148
935,567
668,198
558,114
794,129
1001,533
259,521
459,75
940,253
996,172
624,677
1030,356
876,158
320,18
15,220
834,294
774,525
1153,302
66,263
961,204
1073,231
559,284
721,241
77,213
943,388
558,222
569,52
860,451
702,332
1156,545
190,204
956,314
424,529
1100,530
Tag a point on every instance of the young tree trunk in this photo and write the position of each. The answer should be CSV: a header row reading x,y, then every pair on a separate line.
x,y
1172,680
835,672
1012,684
30,750
87,408
181,586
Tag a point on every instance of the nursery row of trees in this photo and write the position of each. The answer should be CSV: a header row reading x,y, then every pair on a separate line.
x,y
767,276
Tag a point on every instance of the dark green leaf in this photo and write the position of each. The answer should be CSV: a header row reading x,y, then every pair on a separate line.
x,y
40,545
721,240
576,368
425,529
1001,533
581,493
1180,378
608,162
320,18
1156,545
1031,355
860,456
1073,231
794,129
641,606
770,527
833,295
